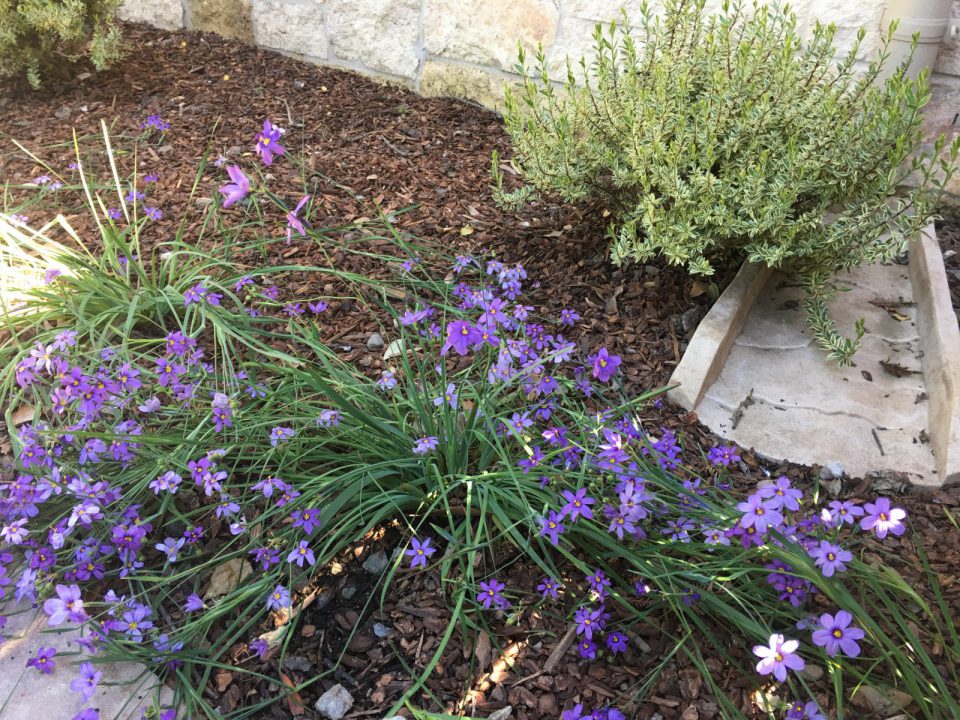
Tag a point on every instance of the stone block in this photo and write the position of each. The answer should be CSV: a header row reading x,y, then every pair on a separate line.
x,y
487,33
940,341
446,79
574,41
382,35
166,14
230,18
294,27
715,336
607,10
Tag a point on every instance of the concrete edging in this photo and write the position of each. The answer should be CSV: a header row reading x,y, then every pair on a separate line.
x,y
940,344
711,343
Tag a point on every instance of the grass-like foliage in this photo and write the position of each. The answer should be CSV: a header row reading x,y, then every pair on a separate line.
x,y
189,418
39,38
715,139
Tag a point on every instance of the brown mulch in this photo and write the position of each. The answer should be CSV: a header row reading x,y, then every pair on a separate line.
x,y
387,146
948,233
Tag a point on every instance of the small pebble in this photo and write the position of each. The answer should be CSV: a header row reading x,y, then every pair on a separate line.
x,y
376,563
334,703
381,630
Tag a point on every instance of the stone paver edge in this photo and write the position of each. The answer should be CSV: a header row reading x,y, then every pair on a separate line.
x,y
940,344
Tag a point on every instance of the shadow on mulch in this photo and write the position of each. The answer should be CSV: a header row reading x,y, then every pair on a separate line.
x,y
385,145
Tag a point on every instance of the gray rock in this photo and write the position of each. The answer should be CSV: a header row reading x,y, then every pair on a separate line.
x,y
348,592
375,342
691,318
334,703
376,563
831,471
297,662
502,714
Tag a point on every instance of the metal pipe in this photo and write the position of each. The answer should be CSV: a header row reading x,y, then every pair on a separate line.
x,y
929,19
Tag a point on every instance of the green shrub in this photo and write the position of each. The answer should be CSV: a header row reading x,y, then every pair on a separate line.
x,y
716,139
38,36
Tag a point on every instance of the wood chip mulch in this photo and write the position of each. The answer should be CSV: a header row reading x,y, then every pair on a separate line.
x,y
387,146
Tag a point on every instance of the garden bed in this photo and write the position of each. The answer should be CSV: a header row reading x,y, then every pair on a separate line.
x,y
384,145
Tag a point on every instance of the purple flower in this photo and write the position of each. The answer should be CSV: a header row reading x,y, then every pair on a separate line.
x,y
308,519
723,455
43,660
278,598
551,527
66,606
830,558
616,642
260,647
170,547
237,190
548,588
88,714
779,495
569,316
449,397
293,220
425,444
489,595
588,649
318,307
301,553
577,505
778,656
268,143
605,365
155,122
883,519
758,515
804,711
154,213
86,684
588,620
461,335
840,513
194,603
280,435
328,418
419,552
836,634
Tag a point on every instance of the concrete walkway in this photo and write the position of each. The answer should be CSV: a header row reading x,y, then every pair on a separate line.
x,y
26,694
777,393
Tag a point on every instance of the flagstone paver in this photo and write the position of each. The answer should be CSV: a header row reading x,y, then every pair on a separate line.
x,y
26,694
778,394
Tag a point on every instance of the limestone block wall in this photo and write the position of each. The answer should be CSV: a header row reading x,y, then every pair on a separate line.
x,y
463,48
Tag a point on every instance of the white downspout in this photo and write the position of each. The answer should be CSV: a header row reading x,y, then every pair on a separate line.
x,y
928,18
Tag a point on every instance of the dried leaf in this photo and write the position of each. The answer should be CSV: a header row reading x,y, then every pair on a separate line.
x,y
294,701
23,414
223,678
226,578
698,288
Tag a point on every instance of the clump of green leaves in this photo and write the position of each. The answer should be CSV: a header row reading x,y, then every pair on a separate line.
x,y
714,139
37,37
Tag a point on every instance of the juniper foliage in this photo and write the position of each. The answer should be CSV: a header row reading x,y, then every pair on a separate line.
x,y
717,138
40,37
